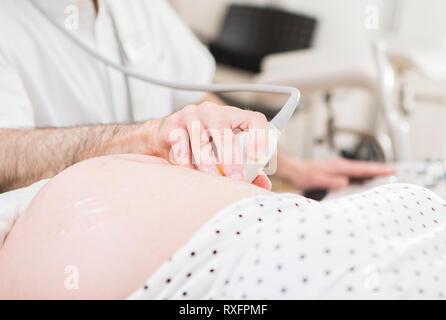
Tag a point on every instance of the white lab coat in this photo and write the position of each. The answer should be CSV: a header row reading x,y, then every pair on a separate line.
x,y
45,80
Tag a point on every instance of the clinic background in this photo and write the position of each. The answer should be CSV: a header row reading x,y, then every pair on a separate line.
x,y
373,78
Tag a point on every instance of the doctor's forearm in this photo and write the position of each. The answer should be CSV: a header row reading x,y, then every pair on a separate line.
x,y
27,156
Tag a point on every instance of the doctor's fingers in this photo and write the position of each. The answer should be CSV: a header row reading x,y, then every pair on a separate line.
x,y
203,156
263,181
321,180
358,169
180,152
228,153
234,118
259,129
186,140
257,126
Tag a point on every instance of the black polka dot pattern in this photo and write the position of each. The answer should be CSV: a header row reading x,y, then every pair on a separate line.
x,y
387,243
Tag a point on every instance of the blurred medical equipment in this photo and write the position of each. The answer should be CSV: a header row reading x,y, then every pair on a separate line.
x,y
338,56
355,66
417,49
277,124
250,33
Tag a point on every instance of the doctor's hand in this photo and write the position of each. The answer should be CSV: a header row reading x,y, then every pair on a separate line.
x,y
202,137
331,174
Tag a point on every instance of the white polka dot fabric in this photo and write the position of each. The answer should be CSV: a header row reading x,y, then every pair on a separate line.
x,y
387,243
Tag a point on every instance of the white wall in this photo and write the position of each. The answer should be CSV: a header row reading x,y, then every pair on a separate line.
x,y
421,18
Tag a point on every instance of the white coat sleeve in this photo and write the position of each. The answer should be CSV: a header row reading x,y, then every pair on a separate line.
x,y
15,106
193,62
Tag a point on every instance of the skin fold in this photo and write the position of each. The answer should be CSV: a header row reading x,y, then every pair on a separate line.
x,y
115,219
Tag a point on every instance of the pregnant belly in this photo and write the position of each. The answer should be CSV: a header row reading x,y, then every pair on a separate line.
x,y
102,227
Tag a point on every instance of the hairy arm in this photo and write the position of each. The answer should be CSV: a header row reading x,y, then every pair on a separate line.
x,y
27,156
